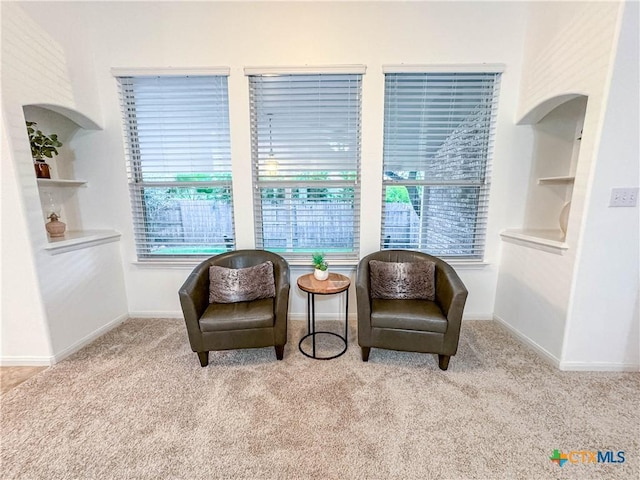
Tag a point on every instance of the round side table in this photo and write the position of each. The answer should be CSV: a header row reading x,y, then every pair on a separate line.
x,y
336,283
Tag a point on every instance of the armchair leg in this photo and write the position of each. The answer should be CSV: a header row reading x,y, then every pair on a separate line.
x,y
279,351
365,353
443,361
204,358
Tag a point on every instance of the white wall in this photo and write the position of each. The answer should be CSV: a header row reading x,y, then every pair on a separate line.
x,y
52,305
24,337
603,324
570,49
240,34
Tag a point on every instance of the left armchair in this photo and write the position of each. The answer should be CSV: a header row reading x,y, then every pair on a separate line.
x,y
236,323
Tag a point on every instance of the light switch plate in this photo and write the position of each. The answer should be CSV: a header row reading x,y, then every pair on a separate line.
x,y
624,197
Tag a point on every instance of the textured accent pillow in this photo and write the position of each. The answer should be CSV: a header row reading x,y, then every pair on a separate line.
x,y
231,285
395,280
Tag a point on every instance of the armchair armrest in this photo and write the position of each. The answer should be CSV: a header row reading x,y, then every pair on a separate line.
x,y
363,303
194,299
281,303
451,294
363,292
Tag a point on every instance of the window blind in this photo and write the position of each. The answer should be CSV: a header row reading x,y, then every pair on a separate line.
x,y
438,134
179,164
305,138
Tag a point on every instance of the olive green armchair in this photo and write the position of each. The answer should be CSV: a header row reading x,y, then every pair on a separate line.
x,y
414,325
257,323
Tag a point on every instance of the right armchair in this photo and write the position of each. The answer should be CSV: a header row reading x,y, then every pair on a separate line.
x,y
409,301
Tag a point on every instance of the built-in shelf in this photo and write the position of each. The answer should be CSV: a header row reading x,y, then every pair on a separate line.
x,y
567,180
547,240
76,240
58,182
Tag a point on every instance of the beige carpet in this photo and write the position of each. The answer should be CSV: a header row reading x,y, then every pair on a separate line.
x,y
136,404
11,377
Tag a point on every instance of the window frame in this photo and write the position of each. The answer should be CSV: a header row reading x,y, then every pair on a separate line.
x,y
194,187
476,249
261,153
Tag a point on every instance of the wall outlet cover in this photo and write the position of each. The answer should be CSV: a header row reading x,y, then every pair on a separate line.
x,y
624,197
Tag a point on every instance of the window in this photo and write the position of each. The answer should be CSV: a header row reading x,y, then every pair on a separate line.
x,y
179,164
438,130
305,132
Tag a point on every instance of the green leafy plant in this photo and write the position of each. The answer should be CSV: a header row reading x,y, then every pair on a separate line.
x,y
42,145
319,262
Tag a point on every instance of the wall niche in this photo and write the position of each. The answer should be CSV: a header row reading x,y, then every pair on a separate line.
x,y
557,139
557,126
59,193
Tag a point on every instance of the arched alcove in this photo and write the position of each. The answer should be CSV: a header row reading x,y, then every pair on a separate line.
x,y
557,137
537,113
78,118
60,193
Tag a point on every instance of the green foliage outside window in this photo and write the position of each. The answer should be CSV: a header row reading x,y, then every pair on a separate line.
x,y
311,193
208,192
397,194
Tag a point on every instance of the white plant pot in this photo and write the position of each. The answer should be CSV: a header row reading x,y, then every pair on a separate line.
x,y
321,274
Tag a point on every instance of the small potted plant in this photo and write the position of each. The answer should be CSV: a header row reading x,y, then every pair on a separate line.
x,y
321,266
42,146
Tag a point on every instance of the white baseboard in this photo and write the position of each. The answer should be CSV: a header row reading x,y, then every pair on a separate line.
x,y
20,361
544,353
295,317
599,367
292,315
564,365
476,316
88,339
156,314
28,361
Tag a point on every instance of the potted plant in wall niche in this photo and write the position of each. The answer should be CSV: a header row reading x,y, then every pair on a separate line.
x,y
42,146
321,266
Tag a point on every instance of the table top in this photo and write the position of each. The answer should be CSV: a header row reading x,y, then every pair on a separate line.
x,y
336,283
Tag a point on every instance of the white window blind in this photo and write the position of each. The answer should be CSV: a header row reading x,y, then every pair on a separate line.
x,y
179,164
438,133
305,133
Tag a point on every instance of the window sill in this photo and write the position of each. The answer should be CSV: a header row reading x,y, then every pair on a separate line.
x,y
77,240
467,264
546,240
190,264
168,264
294,265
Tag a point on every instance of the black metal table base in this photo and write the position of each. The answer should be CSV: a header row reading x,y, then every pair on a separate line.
x,y
315,356
312,333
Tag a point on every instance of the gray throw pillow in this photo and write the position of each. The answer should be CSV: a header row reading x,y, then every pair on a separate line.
x,y
231,285
396,281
